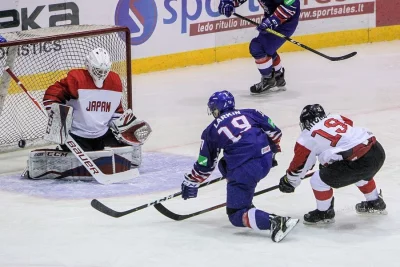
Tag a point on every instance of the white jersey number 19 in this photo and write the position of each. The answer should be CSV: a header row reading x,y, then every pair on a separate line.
x,y
332,123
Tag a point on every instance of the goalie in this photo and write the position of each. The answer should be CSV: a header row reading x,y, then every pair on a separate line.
x,y
87,106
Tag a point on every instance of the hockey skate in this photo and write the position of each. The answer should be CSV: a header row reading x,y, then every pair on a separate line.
x,y
377,206
266,84
281,226
280,79
321,217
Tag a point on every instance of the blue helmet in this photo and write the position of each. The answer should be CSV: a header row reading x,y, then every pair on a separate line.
x,y
220,102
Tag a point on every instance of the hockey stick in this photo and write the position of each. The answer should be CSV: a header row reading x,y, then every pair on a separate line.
x,y
177,217
297,43
116,214
78,152
15,78
95,171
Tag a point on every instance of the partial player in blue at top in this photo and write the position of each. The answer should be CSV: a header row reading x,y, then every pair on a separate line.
x,y
249,141
281,16
2,39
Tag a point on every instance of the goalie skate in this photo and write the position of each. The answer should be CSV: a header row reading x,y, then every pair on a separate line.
x,y
281,226
374,207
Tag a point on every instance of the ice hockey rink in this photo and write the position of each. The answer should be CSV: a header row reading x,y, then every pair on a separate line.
x,y
51,223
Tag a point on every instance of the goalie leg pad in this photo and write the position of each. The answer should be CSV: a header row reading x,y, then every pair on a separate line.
x,y
56,164
59,123
131,153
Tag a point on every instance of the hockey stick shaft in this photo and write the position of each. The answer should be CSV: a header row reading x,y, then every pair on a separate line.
x,y
78,152
298,43
19,83
177,217
116,214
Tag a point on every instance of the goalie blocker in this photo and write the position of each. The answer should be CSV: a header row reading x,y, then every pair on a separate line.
x,y
56,164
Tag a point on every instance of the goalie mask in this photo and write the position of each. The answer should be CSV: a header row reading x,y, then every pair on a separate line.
x,y
129,130
98,64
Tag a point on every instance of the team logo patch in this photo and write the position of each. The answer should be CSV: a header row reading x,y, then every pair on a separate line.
x,y
140,16
271,123
265,150
202,160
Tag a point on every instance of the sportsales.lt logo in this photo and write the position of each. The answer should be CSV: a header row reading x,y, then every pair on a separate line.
x,y
140,16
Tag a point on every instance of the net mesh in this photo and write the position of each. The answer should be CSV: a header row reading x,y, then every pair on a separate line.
x,y
44,57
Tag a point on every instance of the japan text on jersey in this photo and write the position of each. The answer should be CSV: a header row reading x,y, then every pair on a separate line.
x,y
93,107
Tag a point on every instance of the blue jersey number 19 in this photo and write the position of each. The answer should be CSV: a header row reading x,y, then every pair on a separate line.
x,y
240,122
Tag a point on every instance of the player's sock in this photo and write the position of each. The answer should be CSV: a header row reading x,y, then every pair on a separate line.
x,y
256,219
276,62
279,70
368,188
325,202
264,66
323,199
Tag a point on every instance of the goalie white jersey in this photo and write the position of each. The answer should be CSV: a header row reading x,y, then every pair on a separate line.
x,y
93,107
327,140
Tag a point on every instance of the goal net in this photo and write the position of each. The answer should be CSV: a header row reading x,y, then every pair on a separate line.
x,y
39,58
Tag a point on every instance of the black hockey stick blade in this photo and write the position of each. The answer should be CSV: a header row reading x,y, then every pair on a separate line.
x,y
352,54
298,43
177,217
116,214
104,209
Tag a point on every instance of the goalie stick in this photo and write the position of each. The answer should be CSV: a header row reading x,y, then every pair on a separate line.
x,y
116,214
15,78
177,217
298,43
78,152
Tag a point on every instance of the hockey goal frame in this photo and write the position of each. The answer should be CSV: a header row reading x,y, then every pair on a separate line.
x,y
108,29
83,34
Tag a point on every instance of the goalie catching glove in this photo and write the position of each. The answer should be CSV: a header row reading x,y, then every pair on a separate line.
x,y
129,130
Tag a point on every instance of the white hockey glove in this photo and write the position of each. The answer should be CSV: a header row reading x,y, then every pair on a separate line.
x,y
129,130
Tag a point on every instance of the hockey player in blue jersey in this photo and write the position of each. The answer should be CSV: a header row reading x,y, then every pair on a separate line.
x,y
2,39
249,140
279,15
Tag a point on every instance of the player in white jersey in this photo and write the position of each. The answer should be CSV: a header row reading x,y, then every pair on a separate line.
x,y
95,94
347,155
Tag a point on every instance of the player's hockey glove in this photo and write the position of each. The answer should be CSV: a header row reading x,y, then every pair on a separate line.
x,y
268,23
190,186
285,186
2,39
226,7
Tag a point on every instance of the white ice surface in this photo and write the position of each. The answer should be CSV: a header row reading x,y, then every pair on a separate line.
x,y
42,232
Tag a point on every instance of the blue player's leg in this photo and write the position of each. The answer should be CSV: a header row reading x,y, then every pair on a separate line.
x,y
264,64
278,70
264,48
240,209
242,182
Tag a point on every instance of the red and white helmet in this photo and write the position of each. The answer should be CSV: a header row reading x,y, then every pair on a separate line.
x,y
98,64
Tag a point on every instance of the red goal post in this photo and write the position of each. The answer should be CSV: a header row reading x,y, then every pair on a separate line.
x,y
39,58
